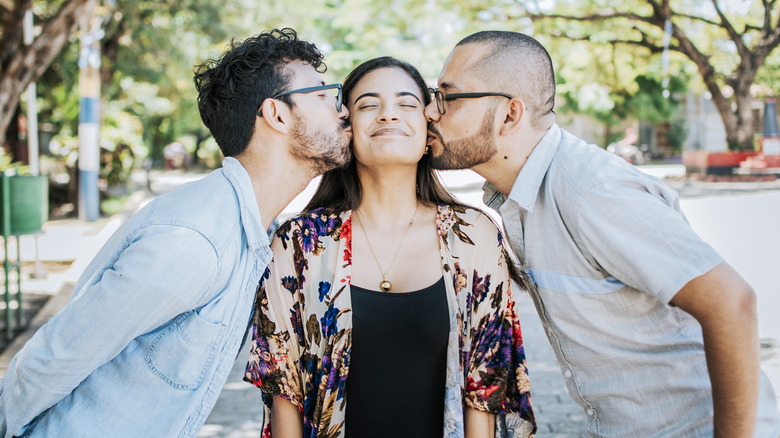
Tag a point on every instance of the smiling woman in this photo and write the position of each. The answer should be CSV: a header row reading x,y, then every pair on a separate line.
x,y
394,329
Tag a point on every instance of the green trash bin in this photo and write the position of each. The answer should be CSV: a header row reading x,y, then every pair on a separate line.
x,y
28,203
24,207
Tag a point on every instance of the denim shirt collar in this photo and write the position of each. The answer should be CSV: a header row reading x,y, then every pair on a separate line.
x,y
247,202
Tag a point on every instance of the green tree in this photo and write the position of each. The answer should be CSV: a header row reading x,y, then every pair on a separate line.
x,y
147,95
21,65
728,47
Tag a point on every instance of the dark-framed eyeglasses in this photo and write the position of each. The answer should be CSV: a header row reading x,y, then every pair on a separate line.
x,y
442,98
306,90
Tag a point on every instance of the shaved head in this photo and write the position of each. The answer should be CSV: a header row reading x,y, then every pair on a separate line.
x,y
517,64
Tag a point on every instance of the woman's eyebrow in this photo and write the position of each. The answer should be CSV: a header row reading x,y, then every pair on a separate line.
x,y
366,95
399,94
408,93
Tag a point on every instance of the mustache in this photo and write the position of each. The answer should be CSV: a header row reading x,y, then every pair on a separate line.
x,y
433,131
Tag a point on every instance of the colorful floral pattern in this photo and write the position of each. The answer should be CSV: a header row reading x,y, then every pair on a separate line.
x,y
303,324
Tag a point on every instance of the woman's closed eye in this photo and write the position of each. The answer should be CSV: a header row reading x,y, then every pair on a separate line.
x,y
409,102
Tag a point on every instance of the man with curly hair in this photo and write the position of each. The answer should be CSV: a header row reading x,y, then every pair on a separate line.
x,y
156,321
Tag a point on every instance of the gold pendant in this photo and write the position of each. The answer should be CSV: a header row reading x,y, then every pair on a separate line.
x,y
385,285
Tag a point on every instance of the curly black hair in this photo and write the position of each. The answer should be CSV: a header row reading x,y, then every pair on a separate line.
x,y
232,88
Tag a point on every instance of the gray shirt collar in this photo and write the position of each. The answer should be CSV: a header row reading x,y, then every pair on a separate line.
x,y
526,187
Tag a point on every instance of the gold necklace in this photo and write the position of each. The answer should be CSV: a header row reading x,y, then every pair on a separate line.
x,y
385,284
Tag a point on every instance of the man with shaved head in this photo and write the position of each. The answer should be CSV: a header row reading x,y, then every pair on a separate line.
x,y
655,334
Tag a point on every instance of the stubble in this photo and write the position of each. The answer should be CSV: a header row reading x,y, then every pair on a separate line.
x,y
467,152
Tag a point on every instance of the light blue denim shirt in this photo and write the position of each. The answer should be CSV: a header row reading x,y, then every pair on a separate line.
x,y
155,322
608,247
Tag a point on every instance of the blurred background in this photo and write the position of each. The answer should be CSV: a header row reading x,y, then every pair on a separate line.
x,y
648,79
98,115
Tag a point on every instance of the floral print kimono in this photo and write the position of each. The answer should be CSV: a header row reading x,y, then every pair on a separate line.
x,y
302,327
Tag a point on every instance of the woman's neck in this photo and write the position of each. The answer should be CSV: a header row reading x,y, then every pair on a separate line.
x,y
389,196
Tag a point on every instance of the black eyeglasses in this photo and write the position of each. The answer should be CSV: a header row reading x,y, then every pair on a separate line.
x,y
442,98
337,87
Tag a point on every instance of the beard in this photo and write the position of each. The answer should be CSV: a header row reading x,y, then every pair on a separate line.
x,y
467,152
322,149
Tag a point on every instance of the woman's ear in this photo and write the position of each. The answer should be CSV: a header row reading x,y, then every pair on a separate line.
x,y
276,116
513,117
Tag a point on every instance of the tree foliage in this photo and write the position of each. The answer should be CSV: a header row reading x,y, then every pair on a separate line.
x,y
20,64
608,54
727,42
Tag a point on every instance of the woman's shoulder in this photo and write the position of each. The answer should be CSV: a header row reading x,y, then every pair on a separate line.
x,y
307,219
315,224
471,224
465,214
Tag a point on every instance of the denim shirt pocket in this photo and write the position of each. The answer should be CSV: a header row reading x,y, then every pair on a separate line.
x,y
182,353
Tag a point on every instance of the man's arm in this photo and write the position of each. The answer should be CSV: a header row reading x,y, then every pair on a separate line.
x,y
725,306
164,272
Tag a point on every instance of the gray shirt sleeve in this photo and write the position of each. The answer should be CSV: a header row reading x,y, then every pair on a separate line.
x,y
636,232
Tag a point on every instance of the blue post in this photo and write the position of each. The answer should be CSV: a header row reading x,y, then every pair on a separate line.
x,y
89,121
770,140
770,119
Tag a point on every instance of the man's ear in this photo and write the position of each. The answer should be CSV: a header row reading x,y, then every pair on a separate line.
x,y
513,117
276,115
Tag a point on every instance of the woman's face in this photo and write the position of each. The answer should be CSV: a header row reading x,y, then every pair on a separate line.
x,y
388,124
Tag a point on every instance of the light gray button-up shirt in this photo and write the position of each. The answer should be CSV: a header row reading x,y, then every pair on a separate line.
x,y
608,247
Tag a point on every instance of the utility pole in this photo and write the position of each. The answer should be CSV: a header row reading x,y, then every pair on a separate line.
x,y
32,131
89,117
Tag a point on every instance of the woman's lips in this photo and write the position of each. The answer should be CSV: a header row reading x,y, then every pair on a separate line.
x,y
388,131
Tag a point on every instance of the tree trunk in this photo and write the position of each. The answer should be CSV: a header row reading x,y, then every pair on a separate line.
x,y
109,48
743,131
26,63
737,118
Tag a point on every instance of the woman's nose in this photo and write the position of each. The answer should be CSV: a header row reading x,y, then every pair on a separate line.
x,y
388,113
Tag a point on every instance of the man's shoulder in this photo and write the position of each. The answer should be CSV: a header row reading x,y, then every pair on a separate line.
x,y
580,161
581,169
209,206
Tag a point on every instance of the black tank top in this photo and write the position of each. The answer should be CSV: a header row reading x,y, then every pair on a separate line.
x,y
397,370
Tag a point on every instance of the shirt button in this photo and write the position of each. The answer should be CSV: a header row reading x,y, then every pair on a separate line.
x,y
590,412
567,373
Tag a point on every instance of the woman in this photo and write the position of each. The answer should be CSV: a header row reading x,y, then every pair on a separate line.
x,y
388,310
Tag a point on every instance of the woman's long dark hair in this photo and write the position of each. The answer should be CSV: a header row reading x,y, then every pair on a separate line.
x,y
340,189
